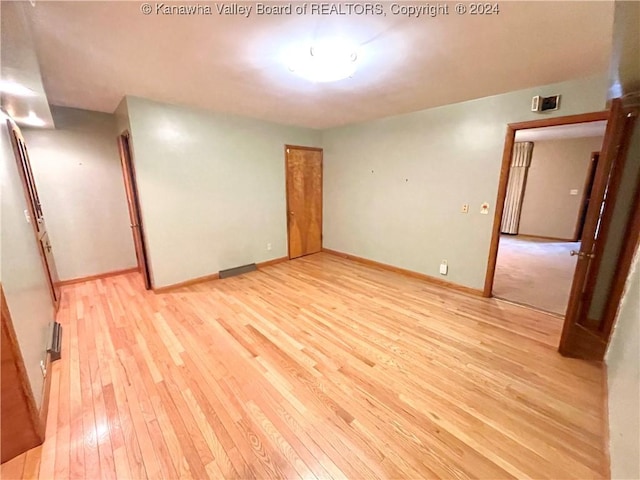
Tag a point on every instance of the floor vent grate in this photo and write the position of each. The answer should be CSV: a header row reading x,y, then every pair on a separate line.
x,y
232,272
55,350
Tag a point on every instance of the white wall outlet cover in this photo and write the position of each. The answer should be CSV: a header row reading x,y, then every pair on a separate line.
x,y
573,191
444,268
465,208
484,208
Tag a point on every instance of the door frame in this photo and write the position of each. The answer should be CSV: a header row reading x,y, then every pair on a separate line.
x,y
627,252
505,168
15,133
586,194
133,203
286,184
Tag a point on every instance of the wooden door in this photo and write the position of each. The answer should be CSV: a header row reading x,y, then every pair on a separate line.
x,y
131,189
579,338
21,425
34,210
304,200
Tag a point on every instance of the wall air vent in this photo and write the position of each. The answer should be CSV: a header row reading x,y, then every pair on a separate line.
x,y
545,104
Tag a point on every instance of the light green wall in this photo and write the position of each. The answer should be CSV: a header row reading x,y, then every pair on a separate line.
x,y
623,368
615,238
77,170
23,278
623,353
122,117
624,75
393,188
212,188
624,79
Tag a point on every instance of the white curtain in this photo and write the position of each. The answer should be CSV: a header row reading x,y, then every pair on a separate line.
x,y
515,187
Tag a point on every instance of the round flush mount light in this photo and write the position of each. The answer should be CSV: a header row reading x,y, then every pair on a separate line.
x,y
31,120
14,88
326,60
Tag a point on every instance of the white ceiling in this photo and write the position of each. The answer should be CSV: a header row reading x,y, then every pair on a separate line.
x,y
93,53
20,65
576,130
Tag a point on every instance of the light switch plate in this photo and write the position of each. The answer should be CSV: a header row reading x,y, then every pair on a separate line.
x,y
573,191
484,208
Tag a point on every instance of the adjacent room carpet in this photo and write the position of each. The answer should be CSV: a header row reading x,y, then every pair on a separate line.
x,y
535,272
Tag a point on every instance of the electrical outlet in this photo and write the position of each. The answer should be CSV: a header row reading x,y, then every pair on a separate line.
x,y
465,208
444,268
268,246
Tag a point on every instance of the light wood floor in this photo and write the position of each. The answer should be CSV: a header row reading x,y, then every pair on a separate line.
x,y
315,368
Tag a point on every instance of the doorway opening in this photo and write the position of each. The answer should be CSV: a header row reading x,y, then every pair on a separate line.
x,y
303,167
133,202
583,335
548,190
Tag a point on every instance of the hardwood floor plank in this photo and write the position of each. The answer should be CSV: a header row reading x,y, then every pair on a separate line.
x,y
129,437
139,420
48,450
32,462
14,468
76,460
103,437
146,394
196,464
121,463
90,434
60,433
316,368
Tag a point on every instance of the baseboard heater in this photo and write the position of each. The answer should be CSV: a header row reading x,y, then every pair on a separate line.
x,y
232,272
55,350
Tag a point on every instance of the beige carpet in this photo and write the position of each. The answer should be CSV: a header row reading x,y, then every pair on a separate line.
x,y
535,272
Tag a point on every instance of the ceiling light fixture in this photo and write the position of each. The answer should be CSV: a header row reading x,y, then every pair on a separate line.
x,y
327,60
31,120
14,88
